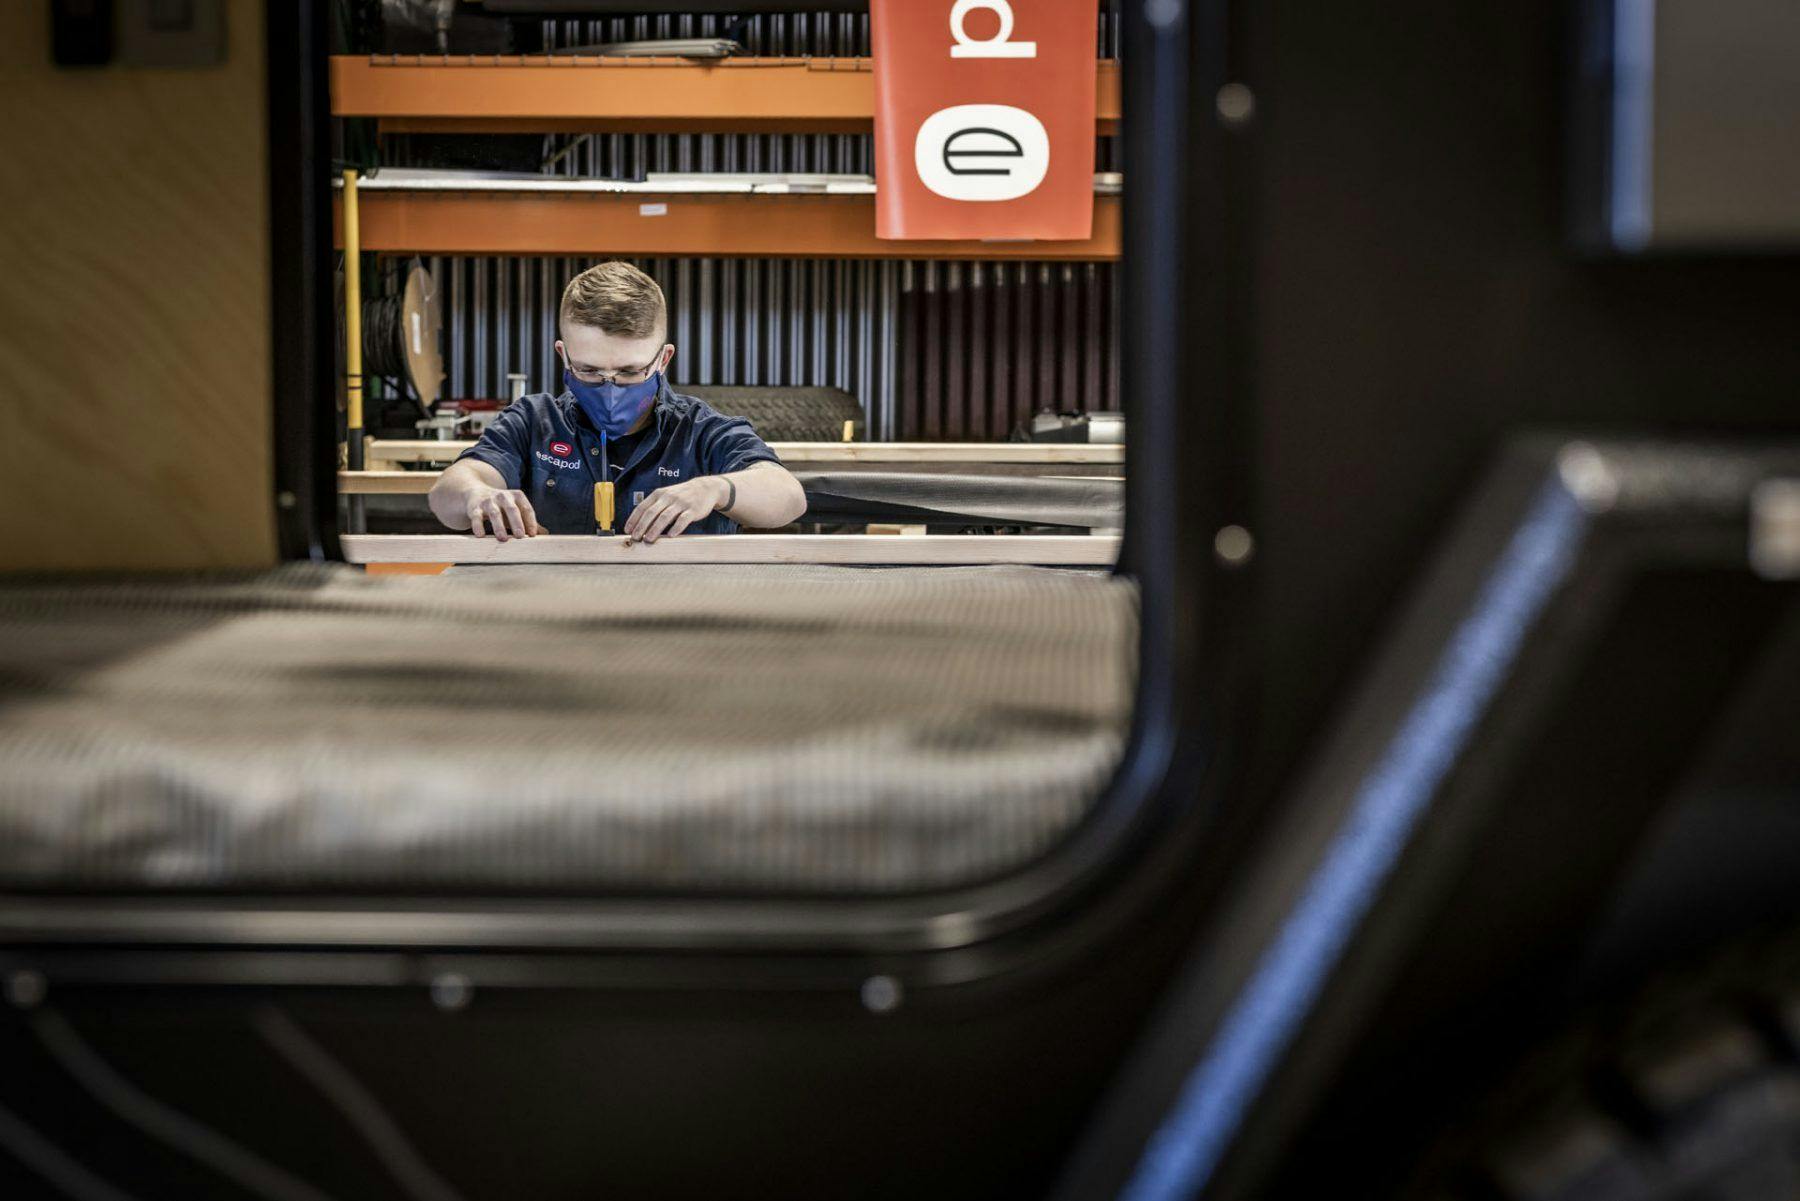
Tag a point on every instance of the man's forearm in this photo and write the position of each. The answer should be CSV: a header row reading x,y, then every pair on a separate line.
x,y
767,496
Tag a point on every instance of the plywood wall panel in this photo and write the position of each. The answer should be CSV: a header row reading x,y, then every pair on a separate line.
x,y
134,309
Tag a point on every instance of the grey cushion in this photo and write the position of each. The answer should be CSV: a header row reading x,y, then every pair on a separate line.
x,y
316,728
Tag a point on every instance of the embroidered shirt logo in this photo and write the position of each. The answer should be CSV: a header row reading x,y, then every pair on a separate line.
x,y
561,448
556,461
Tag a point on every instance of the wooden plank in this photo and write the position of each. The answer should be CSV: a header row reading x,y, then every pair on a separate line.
x,y
135,304
805,225
574,94
399,450
386,483
418,483
947,549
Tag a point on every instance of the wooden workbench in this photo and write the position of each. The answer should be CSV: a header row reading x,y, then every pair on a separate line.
x,y
851,549
384,451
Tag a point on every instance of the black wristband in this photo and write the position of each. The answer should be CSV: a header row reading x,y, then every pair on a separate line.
x,y
730,499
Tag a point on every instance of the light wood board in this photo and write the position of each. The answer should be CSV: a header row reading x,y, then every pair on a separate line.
x,y
134,308
418,483
792,453
386,483
1052,550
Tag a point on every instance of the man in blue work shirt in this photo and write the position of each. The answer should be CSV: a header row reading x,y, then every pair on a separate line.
x,y
675,464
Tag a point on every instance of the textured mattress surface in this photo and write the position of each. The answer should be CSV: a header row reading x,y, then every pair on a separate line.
x,y
316,728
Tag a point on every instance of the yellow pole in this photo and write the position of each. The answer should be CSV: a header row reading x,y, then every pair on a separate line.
x,y
353,346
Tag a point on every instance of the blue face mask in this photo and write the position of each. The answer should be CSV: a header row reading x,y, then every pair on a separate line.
x,y
614,408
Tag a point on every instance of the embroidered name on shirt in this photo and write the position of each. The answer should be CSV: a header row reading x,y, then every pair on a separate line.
x,y
668,471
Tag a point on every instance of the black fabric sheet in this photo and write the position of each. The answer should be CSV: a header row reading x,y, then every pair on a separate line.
x,y
944,499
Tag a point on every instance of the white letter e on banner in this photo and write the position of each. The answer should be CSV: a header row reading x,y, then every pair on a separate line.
x,y
982,152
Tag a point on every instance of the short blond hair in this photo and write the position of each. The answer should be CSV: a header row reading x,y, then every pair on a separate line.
x,y
617,298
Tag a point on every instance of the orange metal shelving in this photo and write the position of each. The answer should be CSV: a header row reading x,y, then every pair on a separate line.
x,y
790,226
577,94
574,94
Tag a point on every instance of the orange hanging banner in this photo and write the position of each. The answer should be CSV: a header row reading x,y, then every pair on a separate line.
x,y
984,118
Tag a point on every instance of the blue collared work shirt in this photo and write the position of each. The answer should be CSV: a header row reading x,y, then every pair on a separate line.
x,y
545,446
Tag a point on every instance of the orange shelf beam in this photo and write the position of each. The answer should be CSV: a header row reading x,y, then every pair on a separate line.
x,y
675,225
572,94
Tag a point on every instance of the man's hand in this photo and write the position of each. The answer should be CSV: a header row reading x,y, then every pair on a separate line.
x,y
504,512
673,509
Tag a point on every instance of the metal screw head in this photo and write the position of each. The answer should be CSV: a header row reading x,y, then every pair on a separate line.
x,y
1162,13
1234,545
881,994
1588,477
1236,104
25,988
452,991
